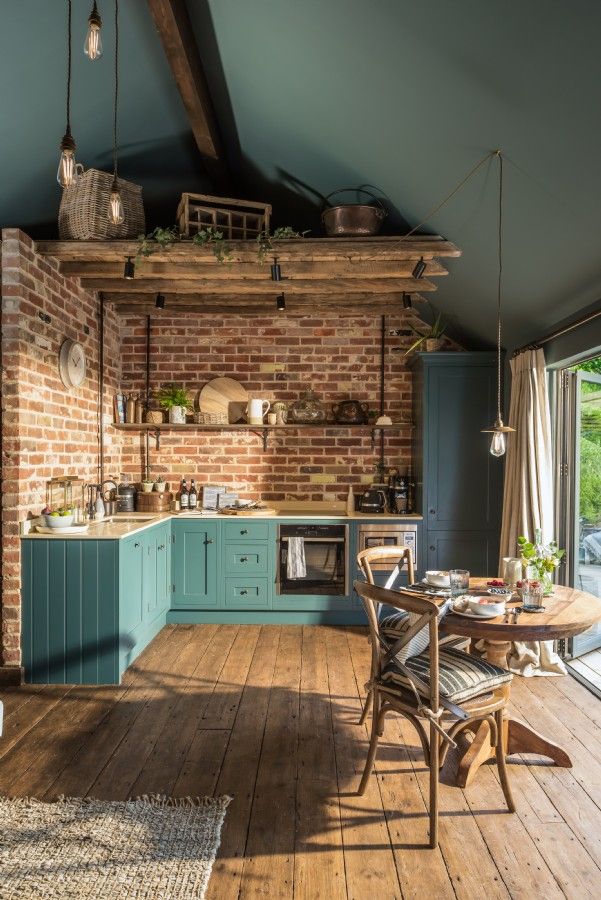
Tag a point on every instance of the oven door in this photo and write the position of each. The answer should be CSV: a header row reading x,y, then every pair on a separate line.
x,y
326,564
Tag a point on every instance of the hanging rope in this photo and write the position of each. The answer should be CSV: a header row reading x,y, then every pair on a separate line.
x,y
442,203
499,282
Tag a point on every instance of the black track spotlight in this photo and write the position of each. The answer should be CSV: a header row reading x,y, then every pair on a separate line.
x,y
129,269
407,302
276,270
419,268
280,303
160,301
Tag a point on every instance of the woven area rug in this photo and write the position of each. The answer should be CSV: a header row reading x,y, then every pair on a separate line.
x,y
153,847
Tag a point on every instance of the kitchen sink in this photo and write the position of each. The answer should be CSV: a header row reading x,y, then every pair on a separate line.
x,y
124,520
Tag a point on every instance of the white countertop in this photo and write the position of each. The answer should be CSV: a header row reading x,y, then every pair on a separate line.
x,y
123,525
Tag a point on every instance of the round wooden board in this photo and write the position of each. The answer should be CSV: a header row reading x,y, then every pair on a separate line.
x,y
266,511
224,395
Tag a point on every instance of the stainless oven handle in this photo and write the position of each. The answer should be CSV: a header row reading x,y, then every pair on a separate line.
x,y
315,540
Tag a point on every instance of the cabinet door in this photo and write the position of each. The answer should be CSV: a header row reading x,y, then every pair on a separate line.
x,y
194,565
476,551
162,570
463,480
131,565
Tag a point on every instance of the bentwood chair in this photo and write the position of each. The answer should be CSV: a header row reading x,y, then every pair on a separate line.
x,y
426,684
388,555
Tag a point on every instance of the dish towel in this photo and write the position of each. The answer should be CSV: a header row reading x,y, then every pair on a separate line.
x,y
296,566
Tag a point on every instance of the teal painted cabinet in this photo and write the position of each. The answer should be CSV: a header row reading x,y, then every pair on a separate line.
x,y
90,607
195,562
458,482
70,597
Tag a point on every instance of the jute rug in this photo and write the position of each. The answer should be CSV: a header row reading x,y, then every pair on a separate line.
x,y
153,847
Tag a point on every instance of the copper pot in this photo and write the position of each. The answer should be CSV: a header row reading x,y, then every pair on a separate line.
x,y
352,219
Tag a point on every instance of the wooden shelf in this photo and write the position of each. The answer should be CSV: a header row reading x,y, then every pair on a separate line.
x,y
263,430
168,426
342,276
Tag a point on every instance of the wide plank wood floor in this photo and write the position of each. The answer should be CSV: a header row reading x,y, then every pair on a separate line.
x,y
268,714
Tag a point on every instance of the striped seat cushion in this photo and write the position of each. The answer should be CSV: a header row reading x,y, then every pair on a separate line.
x,y
392,626
461,676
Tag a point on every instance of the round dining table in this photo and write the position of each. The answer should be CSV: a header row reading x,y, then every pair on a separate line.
x,y
567,612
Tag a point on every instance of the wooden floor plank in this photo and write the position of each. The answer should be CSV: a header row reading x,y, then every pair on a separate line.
x,y
318,855
268,714
117,779
239,769
269,856
140,681
368,857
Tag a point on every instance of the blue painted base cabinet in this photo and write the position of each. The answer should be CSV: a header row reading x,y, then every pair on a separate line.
x,y
90,607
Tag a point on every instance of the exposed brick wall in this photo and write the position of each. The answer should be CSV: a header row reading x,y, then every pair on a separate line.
x,y
274,358
47,430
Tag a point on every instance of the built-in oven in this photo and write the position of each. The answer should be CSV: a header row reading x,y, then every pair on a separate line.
x,y
313,559
388,534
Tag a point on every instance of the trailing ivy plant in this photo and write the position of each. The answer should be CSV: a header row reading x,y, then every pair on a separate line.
x,y
265,240
213,237
158,239
162,239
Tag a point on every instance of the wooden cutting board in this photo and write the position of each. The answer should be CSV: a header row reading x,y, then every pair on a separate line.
x,y
266,511
224,395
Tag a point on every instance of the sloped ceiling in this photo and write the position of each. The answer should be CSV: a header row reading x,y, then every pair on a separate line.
x,y
320,94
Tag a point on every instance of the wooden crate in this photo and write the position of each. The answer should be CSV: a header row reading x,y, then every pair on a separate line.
x,y
239,220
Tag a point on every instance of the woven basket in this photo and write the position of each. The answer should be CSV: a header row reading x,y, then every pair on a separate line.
x,y
208,418
83,213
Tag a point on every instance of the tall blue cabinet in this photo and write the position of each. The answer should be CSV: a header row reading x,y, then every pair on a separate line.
x,y
458,483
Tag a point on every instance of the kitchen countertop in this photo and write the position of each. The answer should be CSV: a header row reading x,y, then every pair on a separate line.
x,y
123,525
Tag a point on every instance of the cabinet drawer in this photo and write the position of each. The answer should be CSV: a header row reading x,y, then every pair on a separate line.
x,y
246,531
247,593
242,559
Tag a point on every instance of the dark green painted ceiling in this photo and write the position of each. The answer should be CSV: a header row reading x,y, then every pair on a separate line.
x,y
326,93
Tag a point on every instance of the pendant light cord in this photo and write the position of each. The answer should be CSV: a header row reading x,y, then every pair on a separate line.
x,y
116,95
442,203
68,67
499,282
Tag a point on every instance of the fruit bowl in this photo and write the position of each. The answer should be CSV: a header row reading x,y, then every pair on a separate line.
x,y
486,606
59,521
438,578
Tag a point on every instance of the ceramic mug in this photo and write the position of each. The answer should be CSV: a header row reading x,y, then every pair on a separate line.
x,y
512,570
255,411
272,419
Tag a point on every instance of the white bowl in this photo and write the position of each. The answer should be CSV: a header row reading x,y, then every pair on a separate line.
x,y
438,579
486,606
59,521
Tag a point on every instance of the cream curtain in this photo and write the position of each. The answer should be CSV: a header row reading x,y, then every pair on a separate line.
x,y
528,491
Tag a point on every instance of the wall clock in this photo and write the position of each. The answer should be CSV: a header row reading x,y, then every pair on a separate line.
x,y
72,363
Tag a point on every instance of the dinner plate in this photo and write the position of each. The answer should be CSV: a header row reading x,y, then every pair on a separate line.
x,y
224,395
472,615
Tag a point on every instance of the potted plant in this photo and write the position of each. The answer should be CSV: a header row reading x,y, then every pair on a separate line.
x,y
175,400
160,485
147,484
432,338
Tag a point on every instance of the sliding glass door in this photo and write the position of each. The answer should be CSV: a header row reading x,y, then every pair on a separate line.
x,y
580,472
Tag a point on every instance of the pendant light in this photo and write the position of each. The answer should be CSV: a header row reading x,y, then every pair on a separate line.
x,y
116,212
67,167
499,431
93,42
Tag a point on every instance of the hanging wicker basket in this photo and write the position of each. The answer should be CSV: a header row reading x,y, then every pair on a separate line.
x,y
83,213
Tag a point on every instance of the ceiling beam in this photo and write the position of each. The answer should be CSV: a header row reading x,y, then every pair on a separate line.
x,y
177,36
338,287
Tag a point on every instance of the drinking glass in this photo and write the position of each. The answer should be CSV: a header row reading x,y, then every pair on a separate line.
x,y
460,581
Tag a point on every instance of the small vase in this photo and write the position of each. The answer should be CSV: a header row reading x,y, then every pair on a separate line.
x,y
147,487
547,584
433,344
177,415
160,486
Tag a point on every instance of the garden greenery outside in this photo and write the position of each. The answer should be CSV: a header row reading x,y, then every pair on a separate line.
x,y
590,445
